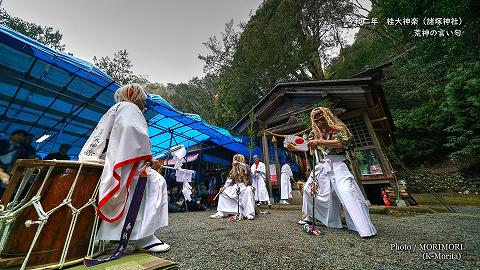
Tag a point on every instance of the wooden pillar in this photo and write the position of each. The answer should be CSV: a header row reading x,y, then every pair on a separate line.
x,y
266,160
277,163
383,159
387,169
358,176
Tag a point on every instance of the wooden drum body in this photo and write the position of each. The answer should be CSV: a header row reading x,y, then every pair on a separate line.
x,y
56,220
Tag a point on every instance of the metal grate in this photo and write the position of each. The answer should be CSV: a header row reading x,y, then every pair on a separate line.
x,y
359,129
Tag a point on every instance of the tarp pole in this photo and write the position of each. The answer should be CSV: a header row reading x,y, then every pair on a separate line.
x,y
168,153
200,159
58,136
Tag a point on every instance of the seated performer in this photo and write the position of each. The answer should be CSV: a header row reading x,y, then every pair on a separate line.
x,y
259,174
121,142
335,185
237,182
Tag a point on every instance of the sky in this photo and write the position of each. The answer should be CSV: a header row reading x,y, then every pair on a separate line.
x,y
162,37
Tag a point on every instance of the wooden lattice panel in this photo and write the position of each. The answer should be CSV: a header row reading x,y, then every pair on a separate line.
x,y
358,128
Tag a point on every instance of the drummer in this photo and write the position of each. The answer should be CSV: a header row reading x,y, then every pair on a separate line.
x,y
121,142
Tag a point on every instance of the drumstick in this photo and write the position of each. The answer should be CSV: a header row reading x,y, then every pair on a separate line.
x,y
216,196
147,164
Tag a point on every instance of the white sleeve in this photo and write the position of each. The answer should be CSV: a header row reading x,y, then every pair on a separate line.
x,y
262,168
228,182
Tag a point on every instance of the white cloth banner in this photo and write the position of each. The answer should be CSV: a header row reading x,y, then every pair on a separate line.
x,y
183,175
178,155
187,191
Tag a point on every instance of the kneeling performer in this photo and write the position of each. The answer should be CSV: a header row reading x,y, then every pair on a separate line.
x,y
237,194
121,141
334,184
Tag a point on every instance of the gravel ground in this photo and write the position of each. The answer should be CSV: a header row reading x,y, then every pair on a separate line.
x,y
275,241
459,208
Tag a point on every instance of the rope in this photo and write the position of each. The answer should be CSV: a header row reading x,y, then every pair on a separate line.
x,y
280,135
35,238
4,227
425,187
91,248
75,213
69,236
25,179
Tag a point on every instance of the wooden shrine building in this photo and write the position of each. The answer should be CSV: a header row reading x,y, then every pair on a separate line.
x,y
364,110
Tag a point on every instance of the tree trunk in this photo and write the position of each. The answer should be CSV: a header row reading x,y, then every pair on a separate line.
x,y
315,68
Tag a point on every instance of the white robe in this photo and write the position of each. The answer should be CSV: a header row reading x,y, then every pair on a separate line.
x,y
123,131
285,185
337,187
228,199
258,182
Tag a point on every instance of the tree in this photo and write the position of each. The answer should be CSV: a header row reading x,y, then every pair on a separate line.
x,y
462,105
432,88
197,96
119,68
286,40
159,89
221,52
44,34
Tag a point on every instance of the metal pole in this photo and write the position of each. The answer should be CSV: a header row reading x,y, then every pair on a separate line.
x,y
58,136
200,160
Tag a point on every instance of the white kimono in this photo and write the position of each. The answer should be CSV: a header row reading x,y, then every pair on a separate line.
x,y
121,141
258,182
228,199
337,187
285,185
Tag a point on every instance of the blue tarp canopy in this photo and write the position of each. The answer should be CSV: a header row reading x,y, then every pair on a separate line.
x,y
168,126
44,91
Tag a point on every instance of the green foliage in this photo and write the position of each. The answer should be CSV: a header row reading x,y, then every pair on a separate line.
x,y
251,135
462,107
198,96
44,34
119,68
286,40
220,53
159,89
432,88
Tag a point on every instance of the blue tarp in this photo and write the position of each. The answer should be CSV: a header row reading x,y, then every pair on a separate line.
x,y
44,91
169,127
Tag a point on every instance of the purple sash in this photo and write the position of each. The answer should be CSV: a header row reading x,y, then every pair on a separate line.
x,y
129,223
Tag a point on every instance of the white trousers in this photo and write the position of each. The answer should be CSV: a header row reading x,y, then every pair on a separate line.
x,y
228,200
337,188
285,187
152,215
261,193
